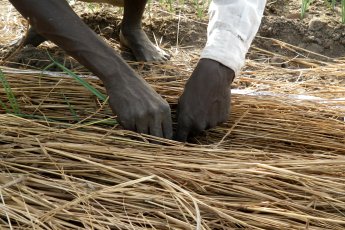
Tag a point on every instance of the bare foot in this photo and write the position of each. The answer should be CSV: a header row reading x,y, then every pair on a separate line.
x,y
33,38
141,46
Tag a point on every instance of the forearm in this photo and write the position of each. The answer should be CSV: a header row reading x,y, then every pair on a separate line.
x,y
56,21
231,30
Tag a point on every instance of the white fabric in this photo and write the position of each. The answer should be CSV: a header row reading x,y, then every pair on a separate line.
x,y
231,30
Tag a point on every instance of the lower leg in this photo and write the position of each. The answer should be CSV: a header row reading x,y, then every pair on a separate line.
x,y
133,13
56,21
33,38
132,35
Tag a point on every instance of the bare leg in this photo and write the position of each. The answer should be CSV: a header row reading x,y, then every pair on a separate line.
x,y
33,38
133,37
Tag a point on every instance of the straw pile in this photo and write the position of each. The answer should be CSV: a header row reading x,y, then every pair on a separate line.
x,y
277,164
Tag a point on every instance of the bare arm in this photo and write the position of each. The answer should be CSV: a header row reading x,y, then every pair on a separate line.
x,y
138,106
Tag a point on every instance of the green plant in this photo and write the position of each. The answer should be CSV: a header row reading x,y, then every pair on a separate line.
x,y
343,11
71,109
332,3
304,7
200,6
84,83
10,96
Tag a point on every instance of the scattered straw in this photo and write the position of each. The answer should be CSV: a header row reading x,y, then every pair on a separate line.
x,y
278,163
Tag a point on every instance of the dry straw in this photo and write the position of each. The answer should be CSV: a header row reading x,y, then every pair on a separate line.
x,y
277,164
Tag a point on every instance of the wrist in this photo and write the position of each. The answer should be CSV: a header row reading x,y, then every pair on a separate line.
x,y
229,73
219,69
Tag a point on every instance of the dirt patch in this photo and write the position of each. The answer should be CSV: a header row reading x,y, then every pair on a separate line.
x,y
320,32
41,58
164,29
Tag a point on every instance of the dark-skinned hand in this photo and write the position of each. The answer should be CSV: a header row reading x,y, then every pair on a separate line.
x,y
139,107
205,102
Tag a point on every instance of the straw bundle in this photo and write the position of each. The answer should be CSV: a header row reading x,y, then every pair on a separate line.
x,y
277,164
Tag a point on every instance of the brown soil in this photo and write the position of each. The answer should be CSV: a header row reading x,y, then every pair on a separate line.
x,y
320,32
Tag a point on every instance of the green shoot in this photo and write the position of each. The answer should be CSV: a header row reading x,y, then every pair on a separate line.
x,y
343,11
4,107
199,6
98,94
304,7
170,5
10,95
84,83
107,121
71,109
333,4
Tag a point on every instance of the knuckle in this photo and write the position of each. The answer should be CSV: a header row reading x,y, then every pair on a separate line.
x,y
127,124
165,108
141,114
159,110
199,126
212,124
152,111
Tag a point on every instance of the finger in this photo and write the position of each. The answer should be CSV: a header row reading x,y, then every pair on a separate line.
x,y
156,128
167,57
196,130
142,126
181,134
183,130
213,123
214,117
183,127
127,124
224,113
167,127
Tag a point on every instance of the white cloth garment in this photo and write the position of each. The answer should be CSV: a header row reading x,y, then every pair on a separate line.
x,y
231,30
